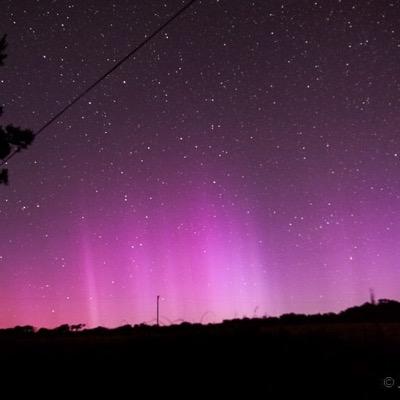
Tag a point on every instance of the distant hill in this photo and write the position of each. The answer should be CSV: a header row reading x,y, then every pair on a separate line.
x,y
384,310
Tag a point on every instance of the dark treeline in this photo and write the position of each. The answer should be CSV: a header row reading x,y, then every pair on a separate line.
x,y
384,310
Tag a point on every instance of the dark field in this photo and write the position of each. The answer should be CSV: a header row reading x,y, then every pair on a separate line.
x,y
347,355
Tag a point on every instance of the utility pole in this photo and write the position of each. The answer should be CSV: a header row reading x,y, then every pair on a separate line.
x,y
158,310
372,296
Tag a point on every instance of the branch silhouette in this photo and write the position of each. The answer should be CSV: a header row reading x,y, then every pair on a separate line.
x,y
12,138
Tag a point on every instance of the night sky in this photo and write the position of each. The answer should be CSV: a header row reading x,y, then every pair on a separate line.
x,y
244,163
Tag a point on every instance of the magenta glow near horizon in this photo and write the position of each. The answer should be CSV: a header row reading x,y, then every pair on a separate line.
x,y
246,163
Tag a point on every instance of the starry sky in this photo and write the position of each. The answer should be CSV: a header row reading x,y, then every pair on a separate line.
x,y
244,163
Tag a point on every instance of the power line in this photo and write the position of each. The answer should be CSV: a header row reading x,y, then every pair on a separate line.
x,y
105,75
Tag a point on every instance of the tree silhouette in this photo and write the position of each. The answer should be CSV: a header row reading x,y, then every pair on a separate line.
x,y
12,138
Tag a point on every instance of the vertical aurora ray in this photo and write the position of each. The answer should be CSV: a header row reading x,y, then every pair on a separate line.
x,y
89,271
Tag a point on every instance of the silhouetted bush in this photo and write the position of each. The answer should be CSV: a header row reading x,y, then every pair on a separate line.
x,y
123,329
77,327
